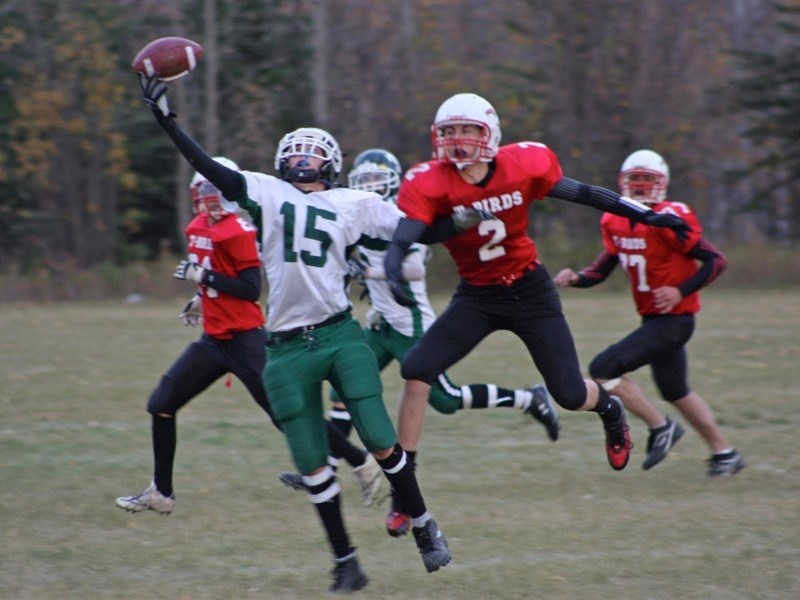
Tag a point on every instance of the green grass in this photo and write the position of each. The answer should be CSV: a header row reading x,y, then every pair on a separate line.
x,y
526,518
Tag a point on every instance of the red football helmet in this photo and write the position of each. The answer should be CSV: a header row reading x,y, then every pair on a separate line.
x,y
644,176
205,195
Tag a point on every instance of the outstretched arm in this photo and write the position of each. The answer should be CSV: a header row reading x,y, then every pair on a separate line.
x,y
226,180
445,228
608,201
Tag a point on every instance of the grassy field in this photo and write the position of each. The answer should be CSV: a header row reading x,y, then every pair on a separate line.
x,y
525,518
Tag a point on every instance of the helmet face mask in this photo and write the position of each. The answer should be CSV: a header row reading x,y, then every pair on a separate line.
x,y
644,176
309,142
207,198
450,144
202,195
376,170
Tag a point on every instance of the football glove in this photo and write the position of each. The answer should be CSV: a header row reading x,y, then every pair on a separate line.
x,y
193,311
189,271
154,94
356,269
399,293
470,217
678,225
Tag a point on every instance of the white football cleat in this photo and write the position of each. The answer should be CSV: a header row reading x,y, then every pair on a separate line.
x,y
150,499
369,476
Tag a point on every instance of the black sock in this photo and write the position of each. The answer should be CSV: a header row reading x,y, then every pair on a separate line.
x,y
330,513
608,410
341,418
480,393
341,448
165,440
405,489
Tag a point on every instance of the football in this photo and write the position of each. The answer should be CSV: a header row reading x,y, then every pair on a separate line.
x,y
170,57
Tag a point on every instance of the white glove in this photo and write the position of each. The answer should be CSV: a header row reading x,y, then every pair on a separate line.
x,y
356,269
189,271
193,311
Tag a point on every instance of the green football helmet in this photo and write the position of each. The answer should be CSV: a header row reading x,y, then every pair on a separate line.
x,y
376,170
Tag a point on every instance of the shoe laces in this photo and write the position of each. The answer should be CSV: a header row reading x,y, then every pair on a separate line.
x,y
425,535
615,434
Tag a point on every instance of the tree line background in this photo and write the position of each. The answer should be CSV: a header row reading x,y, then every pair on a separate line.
x,y
88,180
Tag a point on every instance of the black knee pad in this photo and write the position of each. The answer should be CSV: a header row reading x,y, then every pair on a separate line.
x,y
569,397
415,367
162,400
606,365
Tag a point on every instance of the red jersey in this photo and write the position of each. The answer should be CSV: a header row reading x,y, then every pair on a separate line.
x,y
227,247
652,257
496,248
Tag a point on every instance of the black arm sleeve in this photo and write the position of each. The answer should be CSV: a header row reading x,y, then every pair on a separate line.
x,y
226,180
442,229
714,263
246,285
408,231
598,271
599,198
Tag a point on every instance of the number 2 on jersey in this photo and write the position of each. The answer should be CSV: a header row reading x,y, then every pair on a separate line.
x,y
492,249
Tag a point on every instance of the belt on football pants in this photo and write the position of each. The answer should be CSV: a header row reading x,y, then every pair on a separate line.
x,y
511,278
285,336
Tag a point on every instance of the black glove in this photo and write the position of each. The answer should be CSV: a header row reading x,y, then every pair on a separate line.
x,y
154,94
678,225
399,293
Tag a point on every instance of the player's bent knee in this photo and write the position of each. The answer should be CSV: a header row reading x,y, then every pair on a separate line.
x,y
605,366
415,368
162,400
571,396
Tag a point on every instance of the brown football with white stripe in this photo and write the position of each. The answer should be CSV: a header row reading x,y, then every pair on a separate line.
x,y
170,57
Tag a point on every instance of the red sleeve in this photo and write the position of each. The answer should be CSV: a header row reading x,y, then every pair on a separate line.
x,y
242,248
541,166
418,191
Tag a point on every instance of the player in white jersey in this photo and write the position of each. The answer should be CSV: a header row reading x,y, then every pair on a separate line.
x,y
393,329
307,226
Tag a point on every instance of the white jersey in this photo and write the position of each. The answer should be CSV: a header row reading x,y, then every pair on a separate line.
x,y
410,321
305,239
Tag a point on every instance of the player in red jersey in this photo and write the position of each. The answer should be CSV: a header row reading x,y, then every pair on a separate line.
x,y
223,261
504,285
665,282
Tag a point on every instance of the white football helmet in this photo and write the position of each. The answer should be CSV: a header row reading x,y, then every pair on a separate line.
x,y
468,109
644,176
376,170
309,141
204,192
